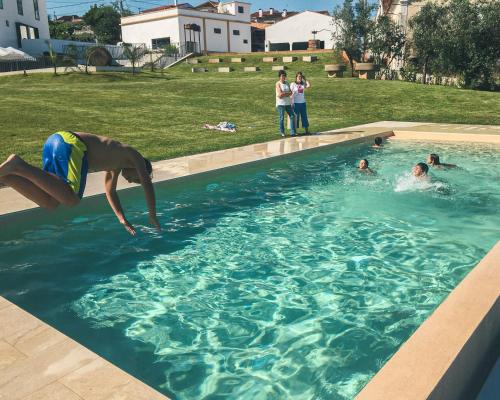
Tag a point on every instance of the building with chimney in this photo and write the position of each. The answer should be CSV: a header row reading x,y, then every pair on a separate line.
x,y
209,27
294,31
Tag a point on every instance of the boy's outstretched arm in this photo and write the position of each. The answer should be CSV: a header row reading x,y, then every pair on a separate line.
x,y
147,185
110,181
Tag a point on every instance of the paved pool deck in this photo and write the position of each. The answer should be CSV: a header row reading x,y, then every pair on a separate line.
x,y
37,362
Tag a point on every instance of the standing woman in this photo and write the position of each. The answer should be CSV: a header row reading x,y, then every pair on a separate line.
x,y
284,103
299,100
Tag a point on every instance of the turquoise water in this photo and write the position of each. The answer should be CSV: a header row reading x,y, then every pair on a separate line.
x,y
291,279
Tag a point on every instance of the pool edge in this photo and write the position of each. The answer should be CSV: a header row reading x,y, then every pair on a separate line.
x,y
448,354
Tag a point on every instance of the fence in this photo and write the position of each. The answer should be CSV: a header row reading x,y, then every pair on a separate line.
x,y
74,54
38,63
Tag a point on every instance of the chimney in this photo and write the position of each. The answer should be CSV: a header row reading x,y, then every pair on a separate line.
x,y
271,11
261,13
283,14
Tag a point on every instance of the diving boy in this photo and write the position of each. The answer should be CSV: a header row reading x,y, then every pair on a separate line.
x,y
67,157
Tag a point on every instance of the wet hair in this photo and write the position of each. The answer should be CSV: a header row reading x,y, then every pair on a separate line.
x,y
281,72
302,75
378,140
366,161
423,166
434,158
149,167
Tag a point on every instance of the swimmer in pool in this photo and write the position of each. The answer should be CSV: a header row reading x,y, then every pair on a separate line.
x,y
433,160
378,143
420,170
67,157
363,167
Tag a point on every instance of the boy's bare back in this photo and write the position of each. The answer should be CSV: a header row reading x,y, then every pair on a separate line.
x,y
105,154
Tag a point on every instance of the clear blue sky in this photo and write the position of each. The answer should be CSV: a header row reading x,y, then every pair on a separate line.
x,y
79,7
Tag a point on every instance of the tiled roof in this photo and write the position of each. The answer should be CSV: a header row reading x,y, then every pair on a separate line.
x,y
163,8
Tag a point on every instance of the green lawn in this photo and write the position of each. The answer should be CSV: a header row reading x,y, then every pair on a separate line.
x,y
163,114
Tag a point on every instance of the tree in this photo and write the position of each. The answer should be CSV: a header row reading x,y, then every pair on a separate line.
x,y
345,33
134,54
52,56
427,33
105,22
471,42
365,25
353,27
387,42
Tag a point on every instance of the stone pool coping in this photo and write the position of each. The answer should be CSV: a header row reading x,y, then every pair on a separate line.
x,y
38,362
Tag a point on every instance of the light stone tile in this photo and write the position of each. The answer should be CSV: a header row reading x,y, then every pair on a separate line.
x,y
54,391
16,323
4,303
8,355
136,391
97,380
38,340
26,376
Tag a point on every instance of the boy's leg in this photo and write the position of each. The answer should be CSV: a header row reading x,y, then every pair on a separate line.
x,y
30,191
49,183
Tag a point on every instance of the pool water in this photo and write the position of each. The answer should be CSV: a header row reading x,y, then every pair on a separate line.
x,y
296,278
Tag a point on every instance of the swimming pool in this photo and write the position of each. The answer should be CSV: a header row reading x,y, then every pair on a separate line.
x,y
296,278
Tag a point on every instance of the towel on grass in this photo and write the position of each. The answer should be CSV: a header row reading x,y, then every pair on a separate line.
x,y
222,126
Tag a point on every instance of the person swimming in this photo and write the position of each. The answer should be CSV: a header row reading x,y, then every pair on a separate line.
x,y
364,167
433,160
420,170
378,142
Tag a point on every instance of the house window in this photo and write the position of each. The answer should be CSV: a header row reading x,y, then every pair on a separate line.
x,y
1,4
241,10
236,32
245,41
20,7
36,9
159,43
25,32
218,30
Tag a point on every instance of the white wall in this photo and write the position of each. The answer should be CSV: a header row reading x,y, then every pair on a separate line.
x,y
216,42
146,31
9,14
170,23
237,42
298,29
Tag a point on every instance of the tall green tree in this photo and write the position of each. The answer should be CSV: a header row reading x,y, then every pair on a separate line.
x,y
345,33
387,42
353,25
427,38
471,41
105,22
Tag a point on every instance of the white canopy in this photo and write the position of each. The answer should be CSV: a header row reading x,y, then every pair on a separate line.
x,y
12,54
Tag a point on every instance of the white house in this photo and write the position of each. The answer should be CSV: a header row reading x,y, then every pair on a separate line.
x,y
209,27
294,32
22,19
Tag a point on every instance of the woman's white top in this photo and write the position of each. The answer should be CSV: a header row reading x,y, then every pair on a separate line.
x,y
283,101
298,92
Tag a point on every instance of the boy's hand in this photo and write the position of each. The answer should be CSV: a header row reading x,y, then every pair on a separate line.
x,y
128,227
153,220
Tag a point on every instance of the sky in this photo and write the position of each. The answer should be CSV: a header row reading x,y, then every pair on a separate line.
x,y
79,7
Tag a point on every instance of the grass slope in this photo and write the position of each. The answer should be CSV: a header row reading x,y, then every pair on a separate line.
x,y
163,114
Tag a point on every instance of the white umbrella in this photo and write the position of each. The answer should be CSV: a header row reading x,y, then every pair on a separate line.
x,y
12,54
